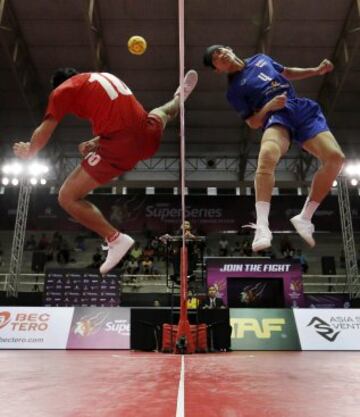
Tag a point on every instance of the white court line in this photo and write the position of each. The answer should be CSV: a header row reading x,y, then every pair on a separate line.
x,y
180,406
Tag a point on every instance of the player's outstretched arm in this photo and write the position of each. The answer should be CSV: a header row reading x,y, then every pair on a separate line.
x,y
324,67
39,138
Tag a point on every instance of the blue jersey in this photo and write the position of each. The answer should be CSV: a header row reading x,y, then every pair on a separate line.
x,y
259,82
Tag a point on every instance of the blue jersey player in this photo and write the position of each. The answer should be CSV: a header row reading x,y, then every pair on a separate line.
x,y
260,90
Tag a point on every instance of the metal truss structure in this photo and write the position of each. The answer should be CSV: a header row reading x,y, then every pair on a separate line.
x,y
17,249
352,273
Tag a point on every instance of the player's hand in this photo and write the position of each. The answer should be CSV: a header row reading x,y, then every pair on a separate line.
x,y
278,102
324,67
23,150
86,147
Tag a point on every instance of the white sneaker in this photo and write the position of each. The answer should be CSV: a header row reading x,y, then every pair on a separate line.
x,y
305,229
117,250
262,238
190,81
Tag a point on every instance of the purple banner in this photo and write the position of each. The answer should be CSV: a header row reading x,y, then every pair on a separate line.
x,y
100,328
257,279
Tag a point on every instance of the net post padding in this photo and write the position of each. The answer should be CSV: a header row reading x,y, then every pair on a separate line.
x,y
184,339
180,338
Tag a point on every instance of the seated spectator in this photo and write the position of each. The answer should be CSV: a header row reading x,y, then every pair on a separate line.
x,y
43,242
56,240
192,301
286,248
63,256
147,265
30,243
236,250
148,252
132,266
303,261
212,301
97,259
223,246
155,244
136,252
80,243
246,247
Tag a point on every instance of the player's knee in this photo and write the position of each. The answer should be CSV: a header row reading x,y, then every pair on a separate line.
x,y
162,115
269,157
336,159
64,198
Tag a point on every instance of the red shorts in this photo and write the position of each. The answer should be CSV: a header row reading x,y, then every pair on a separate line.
x,y
120,151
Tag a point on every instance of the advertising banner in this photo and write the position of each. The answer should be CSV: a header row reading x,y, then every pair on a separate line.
x,y
80,287
161,213
263,329
258,281
328,329
100,328
34,327
327,300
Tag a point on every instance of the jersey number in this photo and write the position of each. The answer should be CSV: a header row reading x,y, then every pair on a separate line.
x,y
93,158
113,88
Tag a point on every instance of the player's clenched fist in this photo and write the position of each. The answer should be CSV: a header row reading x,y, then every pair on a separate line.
x,y
22,150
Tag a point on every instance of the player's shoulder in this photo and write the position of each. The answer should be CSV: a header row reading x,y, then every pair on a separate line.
x,y
258,59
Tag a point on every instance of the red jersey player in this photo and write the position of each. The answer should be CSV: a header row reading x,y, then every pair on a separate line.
x,y
125,134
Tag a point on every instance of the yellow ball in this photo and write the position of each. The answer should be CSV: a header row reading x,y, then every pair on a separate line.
x,y
137,45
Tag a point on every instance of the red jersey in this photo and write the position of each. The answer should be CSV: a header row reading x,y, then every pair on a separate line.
x,y
101,98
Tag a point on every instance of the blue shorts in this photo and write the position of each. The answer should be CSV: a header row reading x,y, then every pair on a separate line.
x,y
302,117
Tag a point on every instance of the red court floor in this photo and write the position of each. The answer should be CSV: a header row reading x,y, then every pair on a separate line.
x,y
133,384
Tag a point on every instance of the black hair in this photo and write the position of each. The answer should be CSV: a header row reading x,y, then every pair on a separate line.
x,y
207,59
61,75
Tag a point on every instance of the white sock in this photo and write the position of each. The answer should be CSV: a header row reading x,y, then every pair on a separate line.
x,y
262,212
309,209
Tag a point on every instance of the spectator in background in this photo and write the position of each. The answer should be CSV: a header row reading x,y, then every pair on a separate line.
x,y
223,246
246,246
80,244
286,248
97,259
192,301
43,242
155,244
63,256
147,265
132,266
148,252
212,301
303,261
136,252
31,243
236,250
